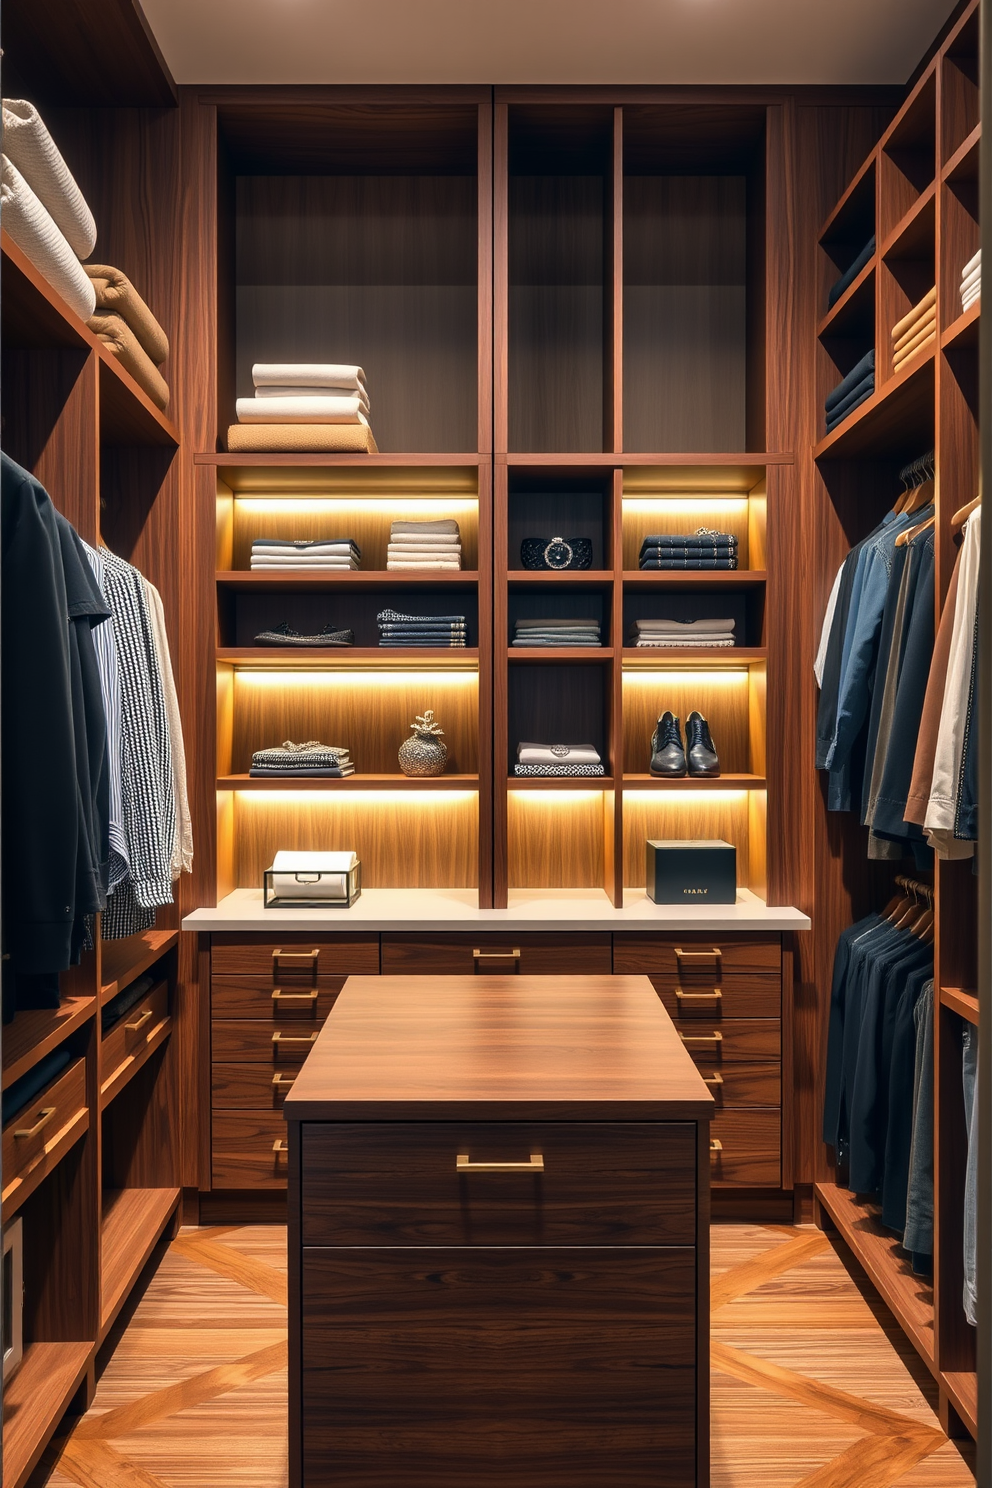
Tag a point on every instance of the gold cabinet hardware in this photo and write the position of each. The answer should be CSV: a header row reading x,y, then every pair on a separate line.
x,y
513,955
283,1082
294,1038
44,1117
279,1146
701,1038
716,1145
464,1164
140,1023
714,953
714,1079
296,955
715,996
278,995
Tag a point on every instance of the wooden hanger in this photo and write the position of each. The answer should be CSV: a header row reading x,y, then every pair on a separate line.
x,y
963,513
911,532
919,497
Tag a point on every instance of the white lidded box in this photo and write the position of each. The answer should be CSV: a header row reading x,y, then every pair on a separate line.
x,y
312,880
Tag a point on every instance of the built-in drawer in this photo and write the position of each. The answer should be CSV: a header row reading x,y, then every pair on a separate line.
x,y
698,977
249,1149
37,1138
131,1035
532,955
234,999
750,1150
716,1041
734,1085
260,1040
293,961
476,1183
250,1087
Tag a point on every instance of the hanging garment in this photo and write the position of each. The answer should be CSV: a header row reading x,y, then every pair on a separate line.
x,y
918,1235
182,849
926,744
969,1071
110,687
941,811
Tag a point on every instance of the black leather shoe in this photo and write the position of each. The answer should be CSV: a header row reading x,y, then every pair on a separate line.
x,y
667,753
701,755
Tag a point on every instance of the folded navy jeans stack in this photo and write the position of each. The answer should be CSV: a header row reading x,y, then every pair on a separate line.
x,y
396,629
858,385
701,549
848,278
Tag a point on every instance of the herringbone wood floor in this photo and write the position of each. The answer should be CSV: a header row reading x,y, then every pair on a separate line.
x,y
813,1385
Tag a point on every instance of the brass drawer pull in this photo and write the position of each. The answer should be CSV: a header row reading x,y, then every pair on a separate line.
x,y
513,955
715,996
283,1082
140,1023
22,1133
713,953
296,955
279,1146
294,1038
463,1164
716,1145
278,995
701,1038
715,1079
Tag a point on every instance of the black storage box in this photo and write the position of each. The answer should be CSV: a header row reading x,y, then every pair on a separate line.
x,y
687,872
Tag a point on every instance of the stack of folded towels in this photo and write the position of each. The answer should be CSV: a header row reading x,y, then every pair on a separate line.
x,y
46,215
307,759
858,385
396,629
558,759
971,281
424,545
330,554
301,406
916,330
852,273
701,549
557,633
689,633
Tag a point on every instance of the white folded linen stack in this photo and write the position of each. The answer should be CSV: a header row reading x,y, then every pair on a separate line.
x,y
971,281
331,554
691,634
558,759
43,209
433,545
305,406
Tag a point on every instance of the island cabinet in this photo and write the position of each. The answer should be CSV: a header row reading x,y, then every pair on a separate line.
x,y
498,1233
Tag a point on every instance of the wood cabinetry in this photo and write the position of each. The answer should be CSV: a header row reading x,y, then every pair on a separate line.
x,y
498,1236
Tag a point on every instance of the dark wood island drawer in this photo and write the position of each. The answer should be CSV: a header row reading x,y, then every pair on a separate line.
x,y
249,1149
293,961
530,954
230,998
260,1040
622,1183
250,1087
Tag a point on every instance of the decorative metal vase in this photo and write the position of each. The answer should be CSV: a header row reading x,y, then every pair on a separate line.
x,y
423,753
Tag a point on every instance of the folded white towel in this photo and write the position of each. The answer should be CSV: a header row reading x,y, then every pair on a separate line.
x,y
969,299
32,229
309,392
427,540
558,754
444,526
414,550
400,563
301,411
682,627
974,262
307,374
312,550
29,147
975,277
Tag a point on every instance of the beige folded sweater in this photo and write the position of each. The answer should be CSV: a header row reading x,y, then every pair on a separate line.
x,y
334,439
115,292
120,339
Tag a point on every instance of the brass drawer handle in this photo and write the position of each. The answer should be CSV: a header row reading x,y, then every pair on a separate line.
x,y
279,1146
463,1164
716,1079
133,1027
714,951
715,996
513,955
296,955
716,1145
294,1038
701,1038
278,995
22,1133
283,1082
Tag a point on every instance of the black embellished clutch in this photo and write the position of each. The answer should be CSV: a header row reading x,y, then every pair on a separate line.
x,y
556,552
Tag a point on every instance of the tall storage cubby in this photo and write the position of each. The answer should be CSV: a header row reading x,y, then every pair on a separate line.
x,y
918,193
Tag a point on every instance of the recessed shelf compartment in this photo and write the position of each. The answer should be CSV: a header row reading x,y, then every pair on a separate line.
x,y
123,961
354,782
132,1225
909,154
33,1034
559,702
960,99
557,506
897,420
744,605
846,232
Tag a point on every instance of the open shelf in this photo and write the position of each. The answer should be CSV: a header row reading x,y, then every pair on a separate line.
x,y
877,1250
123,961
589,576
132,1224
960,1001
34,1401
287,580
348,656
349,783
856,304
35,1033
962,1388
964,330
695,782
125,1072
963,164
559,653
900,412
915,230
242,472
733,578
660,657
560,782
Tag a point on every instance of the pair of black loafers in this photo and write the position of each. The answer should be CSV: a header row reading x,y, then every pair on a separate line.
x,y
673,759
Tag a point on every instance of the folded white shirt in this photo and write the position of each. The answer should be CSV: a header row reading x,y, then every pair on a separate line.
x,y
438,540
970,296
974,262
312,550
422,563
307,374
348,410
558,754
414,546
444,526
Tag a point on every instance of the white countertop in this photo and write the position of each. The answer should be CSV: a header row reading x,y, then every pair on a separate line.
x,y
530,909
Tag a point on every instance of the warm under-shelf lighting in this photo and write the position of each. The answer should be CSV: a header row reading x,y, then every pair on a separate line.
x,y
546,799
350,680
697,800
685,506
414,507
416,800
654,677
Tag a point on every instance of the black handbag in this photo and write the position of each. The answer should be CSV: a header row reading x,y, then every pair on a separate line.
x,y
556,552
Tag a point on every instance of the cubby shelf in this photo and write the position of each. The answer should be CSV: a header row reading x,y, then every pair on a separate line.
x,y
915,229
655,578
349,783
34,1400
560,782
35,316
123,961
960,1001
132,1225
849,304
664,459
35,1033
964,330
125,1072
899,411
229,465
963,164
695,782
319,657
357,579
525,577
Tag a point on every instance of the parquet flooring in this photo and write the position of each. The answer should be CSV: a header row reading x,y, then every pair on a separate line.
x,y
813,1384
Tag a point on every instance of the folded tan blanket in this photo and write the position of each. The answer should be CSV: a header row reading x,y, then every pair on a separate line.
x,y
908,352
926,320
115,292
30,147
119,338
33,230
914,314
334,439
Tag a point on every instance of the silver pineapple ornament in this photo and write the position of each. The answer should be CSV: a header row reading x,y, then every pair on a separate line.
x,y
423,753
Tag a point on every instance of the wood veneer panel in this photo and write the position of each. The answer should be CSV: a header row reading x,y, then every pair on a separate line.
x,y
722,699
683,814
34,1399
123,961
51,427
35,1033
87,54
529,954
554,838
133,1221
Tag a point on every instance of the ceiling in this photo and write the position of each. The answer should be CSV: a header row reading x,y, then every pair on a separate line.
x,y
544,41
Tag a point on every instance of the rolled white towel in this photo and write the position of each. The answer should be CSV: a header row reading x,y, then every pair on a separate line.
x,y
307,374
32,229
28,145
973,263
301,410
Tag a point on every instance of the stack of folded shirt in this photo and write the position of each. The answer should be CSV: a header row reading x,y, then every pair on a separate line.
x,y
128,329
307,759
424,545
858,385
689,633
557,633
915,330
701,549
286,635
330,554
852,273
396,629
301,406
43,209
971,281
558,759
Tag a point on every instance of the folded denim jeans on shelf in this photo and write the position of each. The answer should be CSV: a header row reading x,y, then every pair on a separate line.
x,y
856,375
558,754
689,563
862,390
660,643
848,277
396,617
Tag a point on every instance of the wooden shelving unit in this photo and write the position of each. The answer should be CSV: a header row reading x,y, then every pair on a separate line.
x,y
34,1402
132,1224
123,961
